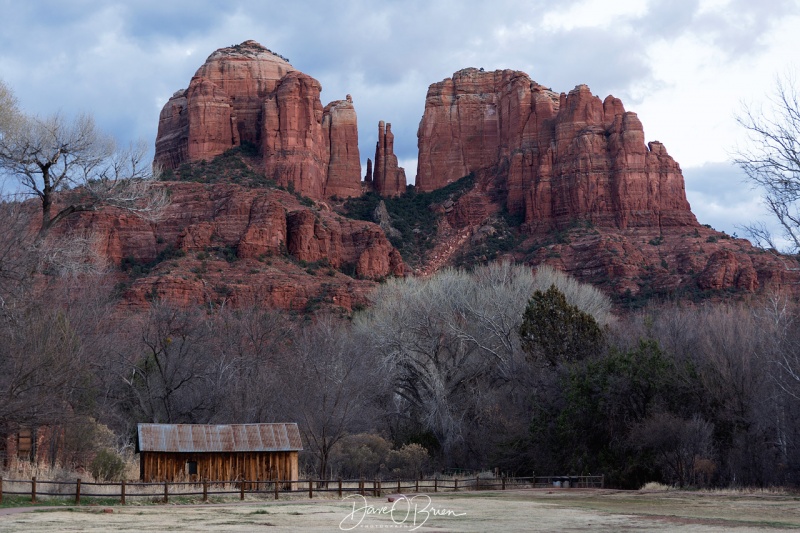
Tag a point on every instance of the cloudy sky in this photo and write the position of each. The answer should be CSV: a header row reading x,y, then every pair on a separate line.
x,y
685,66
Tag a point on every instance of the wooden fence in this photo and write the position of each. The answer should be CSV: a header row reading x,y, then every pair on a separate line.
x,y
79,489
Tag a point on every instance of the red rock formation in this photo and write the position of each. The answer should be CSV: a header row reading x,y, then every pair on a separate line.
x,y
388,178
294,144
268,231
727,270
222,104
172,147
368,175
560,158
341,128
246,93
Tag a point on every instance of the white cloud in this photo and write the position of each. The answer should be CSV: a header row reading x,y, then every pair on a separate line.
x,y
593,14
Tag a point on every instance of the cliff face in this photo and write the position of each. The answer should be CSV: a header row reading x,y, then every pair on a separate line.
x,y
247,94
561,158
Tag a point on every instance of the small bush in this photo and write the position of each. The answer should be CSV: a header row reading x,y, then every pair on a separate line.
x,y
107,466
655,486
410,461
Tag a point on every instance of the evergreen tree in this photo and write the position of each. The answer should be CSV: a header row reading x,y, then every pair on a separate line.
x,y
556,332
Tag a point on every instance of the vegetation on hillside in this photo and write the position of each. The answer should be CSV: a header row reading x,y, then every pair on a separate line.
x,y
229,167
411,214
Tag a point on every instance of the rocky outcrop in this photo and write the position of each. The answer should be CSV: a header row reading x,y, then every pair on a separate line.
x,y
250,245
388,178
222,106
559,158
248,94
725,269
677,263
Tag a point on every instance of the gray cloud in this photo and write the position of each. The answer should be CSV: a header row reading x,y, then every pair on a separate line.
x,y
122,60
740,28
721,197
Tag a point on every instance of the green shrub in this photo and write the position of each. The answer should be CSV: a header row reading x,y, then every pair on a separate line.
x,y
227,167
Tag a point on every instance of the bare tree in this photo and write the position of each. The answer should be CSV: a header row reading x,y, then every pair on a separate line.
x,y
772,161
16,257
71,166
9,111
327,382
678,445
42,369
248,347
165,374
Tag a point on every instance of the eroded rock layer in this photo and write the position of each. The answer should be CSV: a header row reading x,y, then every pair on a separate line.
x,y
246,246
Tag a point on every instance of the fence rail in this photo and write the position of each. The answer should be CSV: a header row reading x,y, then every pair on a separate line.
x,y
163,490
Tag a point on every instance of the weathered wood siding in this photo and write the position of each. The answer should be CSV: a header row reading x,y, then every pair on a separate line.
x,y
220,466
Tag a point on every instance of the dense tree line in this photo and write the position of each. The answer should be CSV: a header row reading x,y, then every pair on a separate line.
x,y
501,367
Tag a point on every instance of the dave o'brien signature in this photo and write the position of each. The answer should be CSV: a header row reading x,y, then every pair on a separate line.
x,y
412,512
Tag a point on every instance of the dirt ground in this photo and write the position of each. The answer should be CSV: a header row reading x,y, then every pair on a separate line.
x,y
524,510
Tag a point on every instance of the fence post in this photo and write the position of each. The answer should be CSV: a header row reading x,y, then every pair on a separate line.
x,y
33,489
398,485
310,489
166,492
361,486
435,484
78,492
379,488
241,490
477,482
416,485
503,482
375,488
1,489
275,485
602,481
122,495
455,487
205,490
340,487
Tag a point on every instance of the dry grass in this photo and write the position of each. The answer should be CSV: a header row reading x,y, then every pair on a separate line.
x,y
528,510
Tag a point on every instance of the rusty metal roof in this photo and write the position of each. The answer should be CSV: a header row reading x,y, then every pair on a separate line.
x,y
282,437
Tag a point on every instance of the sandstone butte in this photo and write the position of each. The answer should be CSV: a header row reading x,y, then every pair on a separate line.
x,y
593,198
248,94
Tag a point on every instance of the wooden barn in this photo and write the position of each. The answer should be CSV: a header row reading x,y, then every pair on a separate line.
x,y
230,452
